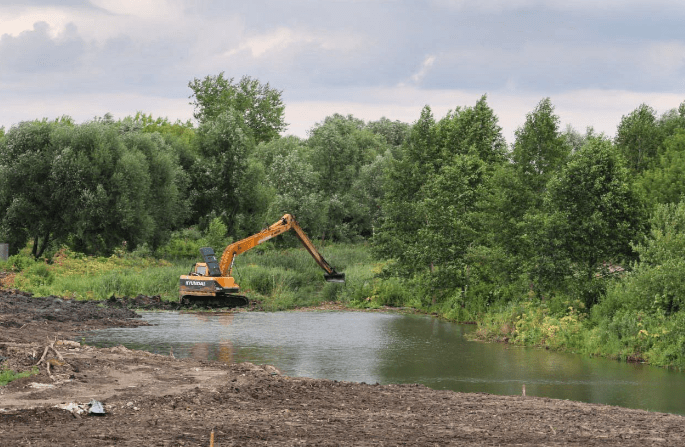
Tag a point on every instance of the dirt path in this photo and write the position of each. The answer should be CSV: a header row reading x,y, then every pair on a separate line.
x,y
158,400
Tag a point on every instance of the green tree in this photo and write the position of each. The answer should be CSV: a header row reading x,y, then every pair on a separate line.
x,y
539,149
339,148
406,175
472,130
655,286
449,206
221,184
638,137
664,182
394,132
30,194
259,105
166,203
109,185
591,216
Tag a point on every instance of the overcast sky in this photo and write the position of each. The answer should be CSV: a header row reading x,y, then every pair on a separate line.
x,y
597,60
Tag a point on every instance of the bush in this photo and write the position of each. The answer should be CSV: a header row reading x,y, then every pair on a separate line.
x,y
17,263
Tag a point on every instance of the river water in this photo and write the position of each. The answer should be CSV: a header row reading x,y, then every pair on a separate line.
x,y
390,348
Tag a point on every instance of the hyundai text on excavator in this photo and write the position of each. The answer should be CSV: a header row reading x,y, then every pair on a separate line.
x,y
210,282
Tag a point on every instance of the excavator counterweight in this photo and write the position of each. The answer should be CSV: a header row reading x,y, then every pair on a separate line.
x,y
210,282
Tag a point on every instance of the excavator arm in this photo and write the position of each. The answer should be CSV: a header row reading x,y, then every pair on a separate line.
x,y
285,223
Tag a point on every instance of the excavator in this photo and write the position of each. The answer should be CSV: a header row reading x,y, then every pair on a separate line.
x,y
210,282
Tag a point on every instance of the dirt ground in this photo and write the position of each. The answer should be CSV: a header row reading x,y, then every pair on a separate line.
x,y
156,400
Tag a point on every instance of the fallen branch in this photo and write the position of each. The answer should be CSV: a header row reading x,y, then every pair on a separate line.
x,y
43,356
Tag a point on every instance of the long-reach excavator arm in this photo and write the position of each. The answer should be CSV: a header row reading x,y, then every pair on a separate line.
x,y
286,223
213,280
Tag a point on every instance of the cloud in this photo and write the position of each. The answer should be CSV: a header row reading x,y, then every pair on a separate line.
x,y
283,38
17,21
37,51
425,66
148,9
591,6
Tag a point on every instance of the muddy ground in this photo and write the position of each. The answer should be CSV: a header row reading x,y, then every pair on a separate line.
x,y
156,400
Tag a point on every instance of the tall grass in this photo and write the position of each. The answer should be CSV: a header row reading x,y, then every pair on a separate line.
x,y
284,279
278,278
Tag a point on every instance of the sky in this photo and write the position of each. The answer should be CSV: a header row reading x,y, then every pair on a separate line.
x,y
597,60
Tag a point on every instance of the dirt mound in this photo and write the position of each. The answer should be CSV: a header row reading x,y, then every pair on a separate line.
x,y
141,302
25,308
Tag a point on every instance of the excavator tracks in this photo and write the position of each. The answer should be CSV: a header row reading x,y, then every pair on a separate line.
x,y
226,300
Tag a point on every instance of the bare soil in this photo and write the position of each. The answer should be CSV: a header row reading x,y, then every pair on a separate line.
x,y
158,400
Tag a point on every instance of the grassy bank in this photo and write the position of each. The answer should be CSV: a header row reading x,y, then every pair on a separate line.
x,y
633,336
287,278
279,278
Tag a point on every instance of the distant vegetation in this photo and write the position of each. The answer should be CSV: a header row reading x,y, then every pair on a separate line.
x,y
562,238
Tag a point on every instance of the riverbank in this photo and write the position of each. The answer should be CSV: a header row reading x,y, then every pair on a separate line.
x,y
158,400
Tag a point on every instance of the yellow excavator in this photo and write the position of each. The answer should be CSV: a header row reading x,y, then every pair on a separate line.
x,y
210,282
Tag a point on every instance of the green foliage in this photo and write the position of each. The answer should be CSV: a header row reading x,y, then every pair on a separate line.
x,y
225,143
539,151
638,137
33,195
664,182
472,131
394,132
288,278
591,215
339,149
88,186
532,323
78,276
183,244
258,105
8,375
448,205
404,179
216,236
17,263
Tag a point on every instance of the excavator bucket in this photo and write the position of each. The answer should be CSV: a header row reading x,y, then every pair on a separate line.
x,y
334,277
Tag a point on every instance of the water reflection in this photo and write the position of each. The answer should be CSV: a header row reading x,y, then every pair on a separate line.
x,y
387,348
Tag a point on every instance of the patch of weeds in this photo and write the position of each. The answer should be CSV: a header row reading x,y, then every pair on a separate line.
x,y
7,375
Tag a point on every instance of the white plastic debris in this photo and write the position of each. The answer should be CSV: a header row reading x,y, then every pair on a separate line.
x,y
96,407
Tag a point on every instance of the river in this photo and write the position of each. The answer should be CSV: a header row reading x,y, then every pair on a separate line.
x,y
387,348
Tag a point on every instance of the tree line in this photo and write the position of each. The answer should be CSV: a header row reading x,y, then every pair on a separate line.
x,y
458,215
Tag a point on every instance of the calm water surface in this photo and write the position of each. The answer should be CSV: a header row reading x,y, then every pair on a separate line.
x,y
390,348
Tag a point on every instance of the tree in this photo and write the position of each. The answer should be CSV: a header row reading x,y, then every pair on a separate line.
x,y
30,195
259,105
225,143
449,206
472,130
406,175
591,216
539,149
664,182
166,204
340,147
109,188
638,137
394,132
